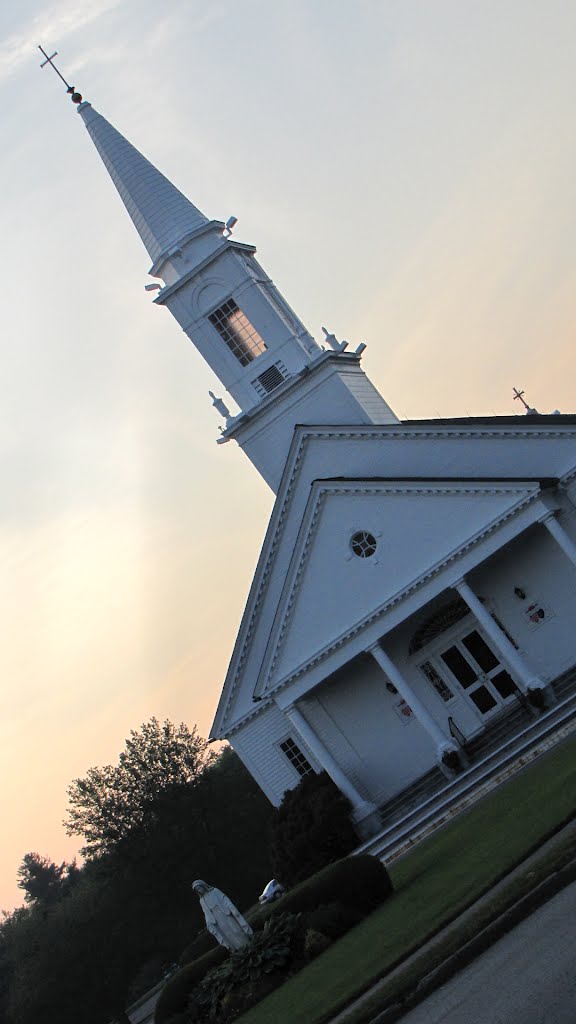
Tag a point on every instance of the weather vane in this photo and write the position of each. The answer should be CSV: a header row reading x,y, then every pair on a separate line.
x,y
74,96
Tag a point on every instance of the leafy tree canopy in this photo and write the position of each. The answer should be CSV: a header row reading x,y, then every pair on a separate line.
x,y
43,881
114,802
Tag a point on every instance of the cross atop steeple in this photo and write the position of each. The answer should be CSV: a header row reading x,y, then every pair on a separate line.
x,y
75,96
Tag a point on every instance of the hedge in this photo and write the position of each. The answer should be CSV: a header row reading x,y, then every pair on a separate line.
x,y
361,883
174,997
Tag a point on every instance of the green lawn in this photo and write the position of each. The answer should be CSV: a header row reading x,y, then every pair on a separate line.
x,y
441,877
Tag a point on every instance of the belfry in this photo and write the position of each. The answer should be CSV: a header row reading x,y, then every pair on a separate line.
x,y
232,312
411,614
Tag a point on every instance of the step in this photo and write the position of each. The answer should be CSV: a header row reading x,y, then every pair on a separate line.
x,y
541,734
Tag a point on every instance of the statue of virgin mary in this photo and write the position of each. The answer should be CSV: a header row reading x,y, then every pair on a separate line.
x,y
223,919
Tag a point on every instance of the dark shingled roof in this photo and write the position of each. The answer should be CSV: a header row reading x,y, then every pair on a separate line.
x,y
530,420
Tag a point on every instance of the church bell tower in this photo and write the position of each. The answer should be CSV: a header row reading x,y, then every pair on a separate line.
x,y
229,308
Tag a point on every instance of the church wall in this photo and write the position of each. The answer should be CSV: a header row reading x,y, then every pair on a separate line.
x,y
330,396
535,564
355,717
571,496
257,746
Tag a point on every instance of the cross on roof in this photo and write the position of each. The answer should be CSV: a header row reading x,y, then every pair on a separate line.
x,y
75,96
520,395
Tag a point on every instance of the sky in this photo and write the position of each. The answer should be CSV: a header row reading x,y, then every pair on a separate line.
x,y
405,168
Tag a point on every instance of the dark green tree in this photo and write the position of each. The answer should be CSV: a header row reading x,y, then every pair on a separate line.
x,y
311,828
132,910
45,882
112,802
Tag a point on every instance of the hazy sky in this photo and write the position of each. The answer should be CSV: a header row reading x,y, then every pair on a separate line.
x,y
406,168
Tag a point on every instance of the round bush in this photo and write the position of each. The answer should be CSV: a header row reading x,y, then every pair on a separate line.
x,y
361,883
174,997
333,919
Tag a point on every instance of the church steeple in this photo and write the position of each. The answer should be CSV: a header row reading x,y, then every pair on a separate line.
x,y
229,308
161,215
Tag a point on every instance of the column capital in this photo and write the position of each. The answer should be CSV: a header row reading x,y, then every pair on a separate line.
x,y
372,648
547,516
563,539
460,583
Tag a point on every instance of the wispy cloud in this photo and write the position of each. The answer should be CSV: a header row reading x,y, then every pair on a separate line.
x,y
56,23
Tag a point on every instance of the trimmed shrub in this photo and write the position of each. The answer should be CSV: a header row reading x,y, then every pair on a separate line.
x,y
203,943
175,994
360,883
311,828
333,920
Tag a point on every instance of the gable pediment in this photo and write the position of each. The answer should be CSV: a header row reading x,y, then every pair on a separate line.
x,y
418,457
418,527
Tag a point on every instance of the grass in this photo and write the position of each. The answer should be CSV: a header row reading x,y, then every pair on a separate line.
x,y
433,884
404,981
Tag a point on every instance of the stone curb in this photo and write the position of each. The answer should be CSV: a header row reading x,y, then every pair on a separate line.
x,y
520,910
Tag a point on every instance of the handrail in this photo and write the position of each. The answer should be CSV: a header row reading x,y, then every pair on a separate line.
x,y
456,733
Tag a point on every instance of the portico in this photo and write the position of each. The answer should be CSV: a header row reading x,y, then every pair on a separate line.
x,y
437,680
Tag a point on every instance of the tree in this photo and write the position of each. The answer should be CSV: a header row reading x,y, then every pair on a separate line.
x,y
45,882
111,803
311,828
132,910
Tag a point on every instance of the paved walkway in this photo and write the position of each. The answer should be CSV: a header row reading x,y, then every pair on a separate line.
x,y
528,976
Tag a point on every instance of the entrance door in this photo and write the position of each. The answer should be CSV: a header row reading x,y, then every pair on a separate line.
x,y
480,673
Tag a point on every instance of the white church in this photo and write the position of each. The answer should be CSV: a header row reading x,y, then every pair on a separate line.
x,y
416,587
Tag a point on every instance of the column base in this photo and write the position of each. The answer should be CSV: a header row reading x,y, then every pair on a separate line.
x,y
451,762
541,698
367,820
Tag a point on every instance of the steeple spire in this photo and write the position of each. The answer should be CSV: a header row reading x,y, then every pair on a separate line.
x,y
162,216
230,309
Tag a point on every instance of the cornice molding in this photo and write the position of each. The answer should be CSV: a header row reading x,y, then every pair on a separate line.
x,y
257,710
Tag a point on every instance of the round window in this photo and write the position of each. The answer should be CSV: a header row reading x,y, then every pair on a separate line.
x,y
363,544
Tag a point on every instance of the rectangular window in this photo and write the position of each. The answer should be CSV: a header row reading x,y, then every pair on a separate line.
x,y
442,688
296,757
235,329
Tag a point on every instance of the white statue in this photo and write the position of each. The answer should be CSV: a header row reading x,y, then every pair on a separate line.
x,y
223,919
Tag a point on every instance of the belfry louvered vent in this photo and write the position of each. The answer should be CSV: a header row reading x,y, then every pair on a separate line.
x,y
270,379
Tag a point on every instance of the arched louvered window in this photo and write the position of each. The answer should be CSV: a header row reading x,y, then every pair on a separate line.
x,y
443,619
438,623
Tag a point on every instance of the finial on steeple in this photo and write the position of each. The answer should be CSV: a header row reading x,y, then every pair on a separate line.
x,y
520,395
74,96
332,340
220,406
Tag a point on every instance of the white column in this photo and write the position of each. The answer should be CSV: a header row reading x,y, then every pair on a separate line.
x,y
442,740
525,676
560,536
305,731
